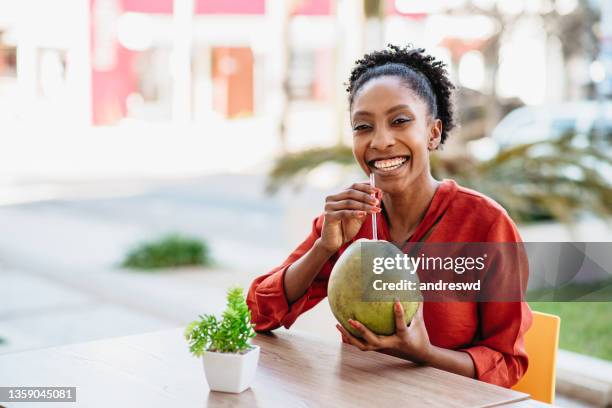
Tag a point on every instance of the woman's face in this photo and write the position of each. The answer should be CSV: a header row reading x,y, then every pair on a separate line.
x,y
393,133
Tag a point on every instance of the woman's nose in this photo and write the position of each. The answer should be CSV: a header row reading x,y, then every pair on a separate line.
x,y
382,140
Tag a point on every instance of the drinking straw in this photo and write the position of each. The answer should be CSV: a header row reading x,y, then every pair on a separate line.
x,y
374,226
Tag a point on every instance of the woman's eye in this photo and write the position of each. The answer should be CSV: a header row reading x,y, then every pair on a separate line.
x,y
400,121
358,128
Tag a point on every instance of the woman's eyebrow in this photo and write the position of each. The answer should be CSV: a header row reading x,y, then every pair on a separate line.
x,y
393,109
396,108
362,113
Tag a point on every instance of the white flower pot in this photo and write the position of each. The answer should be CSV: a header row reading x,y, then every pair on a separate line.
x,y
230,372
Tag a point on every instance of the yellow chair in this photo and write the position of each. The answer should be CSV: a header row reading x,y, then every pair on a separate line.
x,y
541,343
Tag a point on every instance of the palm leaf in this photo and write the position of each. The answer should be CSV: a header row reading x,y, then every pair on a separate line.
x,y
292,167
547,179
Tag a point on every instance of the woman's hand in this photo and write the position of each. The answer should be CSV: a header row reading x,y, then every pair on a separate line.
x,y
345,213
410,342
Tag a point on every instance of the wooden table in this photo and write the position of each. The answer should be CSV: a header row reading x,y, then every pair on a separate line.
x,y
295,370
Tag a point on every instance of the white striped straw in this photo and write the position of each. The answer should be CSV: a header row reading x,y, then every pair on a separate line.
x,y
374,226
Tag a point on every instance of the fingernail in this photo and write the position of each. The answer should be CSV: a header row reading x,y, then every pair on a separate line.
x,y
353,323
376,209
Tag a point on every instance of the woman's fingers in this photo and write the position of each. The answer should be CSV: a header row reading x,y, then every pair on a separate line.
x,y
365,187
344,215
418,316
350,205
354,202
370,338
417,320
344,339
352,339
352,194
400,323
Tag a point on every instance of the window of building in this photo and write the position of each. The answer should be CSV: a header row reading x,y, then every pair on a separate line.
x,y
8,58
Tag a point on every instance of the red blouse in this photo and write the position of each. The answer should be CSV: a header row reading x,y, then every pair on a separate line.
x,y
490,332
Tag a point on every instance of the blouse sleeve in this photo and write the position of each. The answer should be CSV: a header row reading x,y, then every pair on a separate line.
x,y
267,299
499,353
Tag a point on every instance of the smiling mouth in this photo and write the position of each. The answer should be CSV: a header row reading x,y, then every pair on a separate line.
x,y
389,164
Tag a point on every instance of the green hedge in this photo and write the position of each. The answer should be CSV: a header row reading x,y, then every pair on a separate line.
x,y
169,251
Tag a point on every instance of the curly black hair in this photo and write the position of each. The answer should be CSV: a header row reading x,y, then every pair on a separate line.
x,y
425,75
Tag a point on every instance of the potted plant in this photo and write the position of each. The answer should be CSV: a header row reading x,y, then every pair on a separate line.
x,y
229,359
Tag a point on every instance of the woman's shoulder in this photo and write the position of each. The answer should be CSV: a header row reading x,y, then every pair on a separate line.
x,y
478,201
487,218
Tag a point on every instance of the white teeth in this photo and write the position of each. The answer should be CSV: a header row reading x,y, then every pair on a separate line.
x,y
389,164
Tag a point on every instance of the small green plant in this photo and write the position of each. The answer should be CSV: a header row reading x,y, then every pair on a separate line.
x,y
171,250
231,334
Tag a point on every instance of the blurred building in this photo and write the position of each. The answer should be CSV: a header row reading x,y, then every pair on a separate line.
x,y
102,61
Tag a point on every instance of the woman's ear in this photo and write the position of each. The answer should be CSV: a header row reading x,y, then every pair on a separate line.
x,y
435,135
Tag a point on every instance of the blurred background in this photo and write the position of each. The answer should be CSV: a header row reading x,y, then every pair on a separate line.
x,y
153,153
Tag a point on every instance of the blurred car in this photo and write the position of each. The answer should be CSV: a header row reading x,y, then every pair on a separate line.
x,y
530,124
590,121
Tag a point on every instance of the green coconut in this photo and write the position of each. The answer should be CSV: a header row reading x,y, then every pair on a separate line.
x,y
350,291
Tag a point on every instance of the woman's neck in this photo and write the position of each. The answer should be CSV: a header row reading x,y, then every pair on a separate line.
x,y
405,211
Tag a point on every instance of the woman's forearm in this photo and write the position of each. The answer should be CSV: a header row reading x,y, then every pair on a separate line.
x,y
299,276
458,362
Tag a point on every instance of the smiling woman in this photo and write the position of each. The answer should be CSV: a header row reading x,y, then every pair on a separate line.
x,y
401,112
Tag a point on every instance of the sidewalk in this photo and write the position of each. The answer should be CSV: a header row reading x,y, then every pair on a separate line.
x,y
60,282
59,260
40,311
